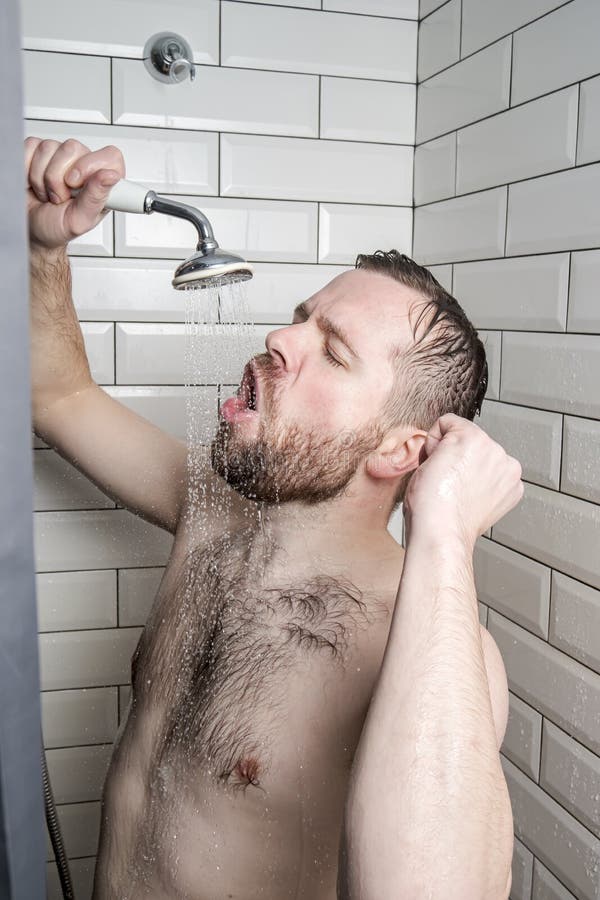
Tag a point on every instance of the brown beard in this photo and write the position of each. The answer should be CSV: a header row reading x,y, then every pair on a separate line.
x,y
288,463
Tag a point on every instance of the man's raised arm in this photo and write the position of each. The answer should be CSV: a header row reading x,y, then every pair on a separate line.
x,y
126,456
428,815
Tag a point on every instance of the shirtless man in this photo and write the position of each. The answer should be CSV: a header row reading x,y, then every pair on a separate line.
x,y
254,674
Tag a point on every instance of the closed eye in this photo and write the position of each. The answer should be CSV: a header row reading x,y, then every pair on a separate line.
x,y
331,359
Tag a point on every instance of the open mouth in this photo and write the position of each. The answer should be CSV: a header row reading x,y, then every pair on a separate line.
x,y
247,391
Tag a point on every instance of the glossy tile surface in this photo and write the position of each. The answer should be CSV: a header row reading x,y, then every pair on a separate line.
x,y
295,169
435,169
66,86
439,40
359,110
465,228
76,600
219,99
296,40
485,21
581,459
346,230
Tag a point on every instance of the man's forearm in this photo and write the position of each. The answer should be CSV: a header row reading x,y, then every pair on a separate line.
x,y
428,813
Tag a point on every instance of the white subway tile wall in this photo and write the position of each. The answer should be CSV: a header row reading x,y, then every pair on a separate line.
x,y
297,139
506,179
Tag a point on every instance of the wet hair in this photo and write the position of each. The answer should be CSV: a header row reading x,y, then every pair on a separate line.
x,y
445,369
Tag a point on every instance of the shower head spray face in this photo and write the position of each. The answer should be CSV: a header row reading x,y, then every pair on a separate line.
x,y
209,268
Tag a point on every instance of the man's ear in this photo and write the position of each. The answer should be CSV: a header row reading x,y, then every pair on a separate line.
x,y
397,454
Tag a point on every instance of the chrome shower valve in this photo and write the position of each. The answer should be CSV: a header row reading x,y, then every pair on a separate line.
x,y
168,58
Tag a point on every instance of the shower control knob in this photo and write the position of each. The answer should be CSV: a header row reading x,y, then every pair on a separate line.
x,y
168,58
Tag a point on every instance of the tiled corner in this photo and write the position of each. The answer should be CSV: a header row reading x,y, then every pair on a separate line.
x,y
439,40
357,110
512,584
296,40
464,228
575,620
435,169
472,89
522,294
346,230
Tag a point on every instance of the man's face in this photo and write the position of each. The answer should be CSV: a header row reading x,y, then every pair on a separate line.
x,y
308,410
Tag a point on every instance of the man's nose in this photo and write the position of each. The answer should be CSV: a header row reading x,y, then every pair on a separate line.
x,y
284,348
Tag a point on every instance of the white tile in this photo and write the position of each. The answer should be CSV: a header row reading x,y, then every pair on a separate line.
x,y
164,160
276,289
557,686
543,60
398,9
264,230
581,459
76,600
555,529
305,4
97,242
463,228
71,718
357,110
155,354
571,774
443,274
99,347
553,835
559,372
513,585
137,591
588,139
167,407
575,620
82,876
78,659
584,311
474,88
298,169
522,872
129,289
492,342
219,99
59,485
346,230
435,169
439,39
523,738
77,773
296,40
80,827
530,140
555,212
96,539
66,86
522,294
530,435
68,25
484,21
427,6
546,886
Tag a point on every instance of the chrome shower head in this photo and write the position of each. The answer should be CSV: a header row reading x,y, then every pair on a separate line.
x,y
209,265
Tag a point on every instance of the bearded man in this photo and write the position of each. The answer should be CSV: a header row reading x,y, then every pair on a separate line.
x,y
248,766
